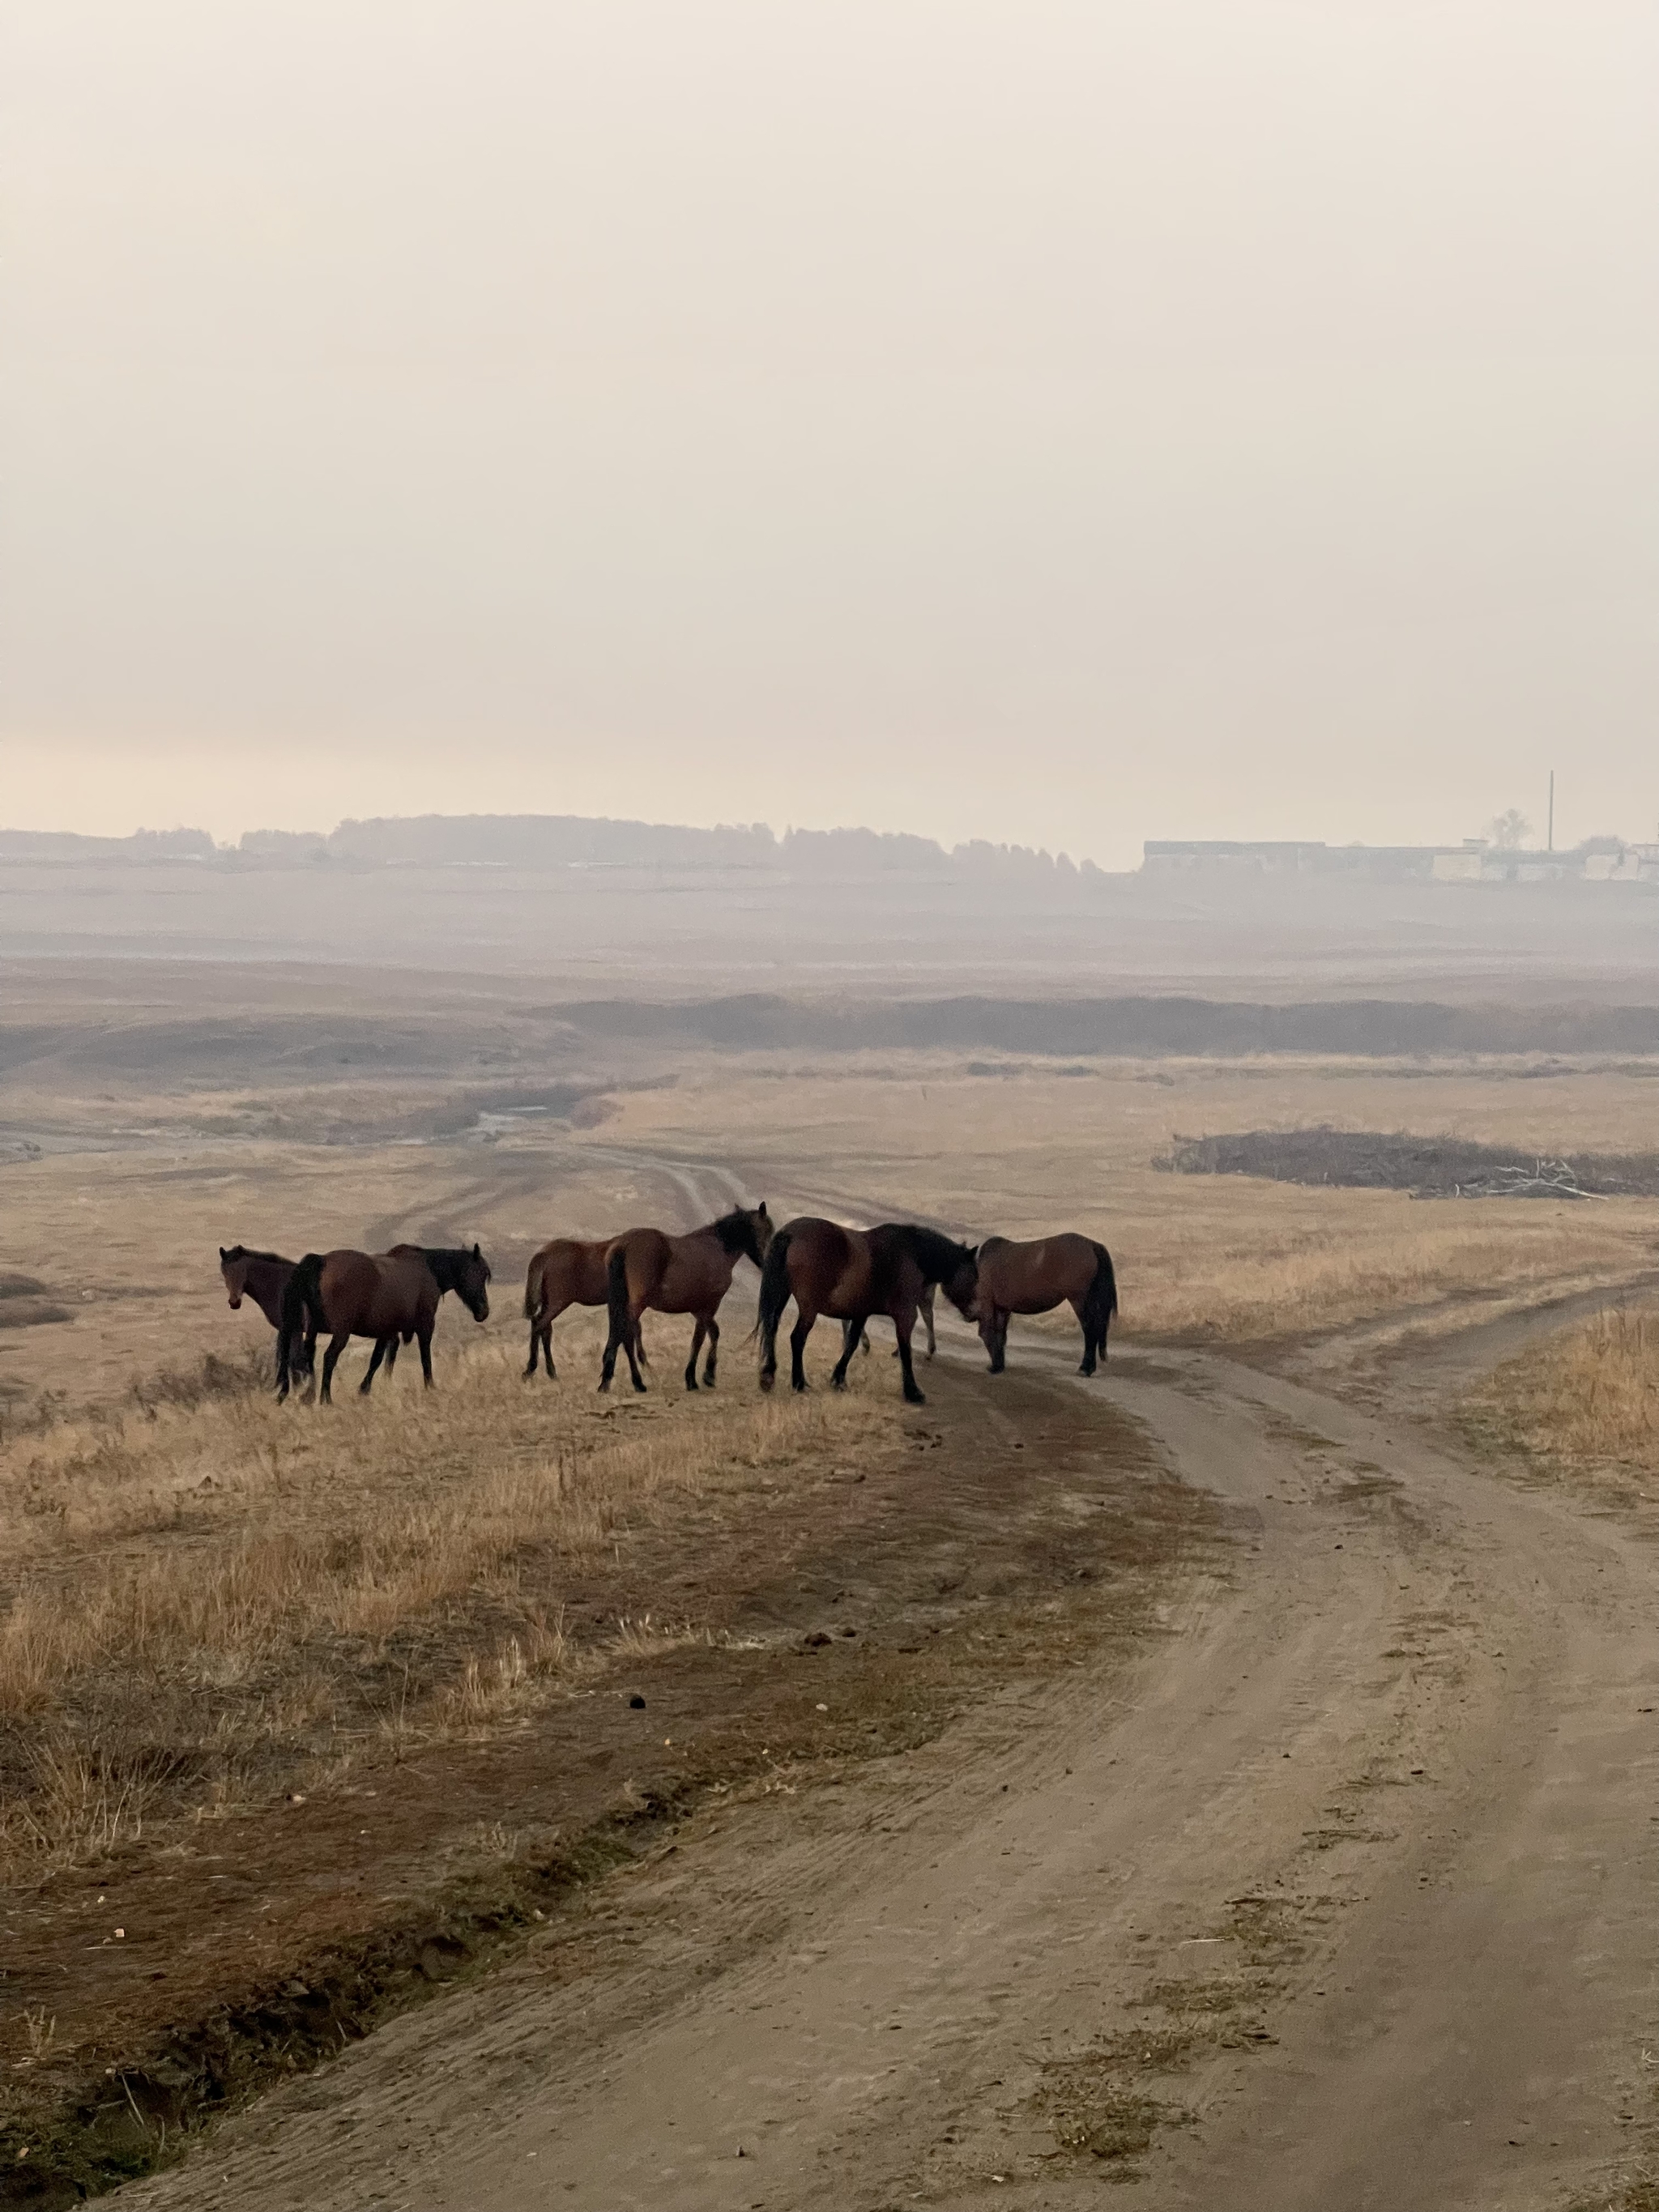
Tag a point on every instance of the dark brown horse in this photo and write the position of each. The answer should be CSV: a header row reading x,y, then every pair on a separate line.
x,y
1034,1278
387,1296
679,1275
566,1274
263,1277
850,1275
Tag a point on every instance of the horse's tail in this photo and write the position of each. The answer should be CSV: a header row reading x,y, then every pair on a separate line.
x,y
533,1282
615,1276
774,1296
1101,1303
302,1293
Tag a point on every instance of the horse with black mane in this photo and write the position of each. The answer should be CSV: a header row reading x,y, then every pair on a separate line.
x,y
387,1295
849,1274
647,1270
1036,1277
263,1277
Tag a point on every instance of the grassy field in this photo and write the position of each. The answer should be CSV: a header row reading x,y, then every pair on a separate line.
x,y
217,1611
214,1600
1585,1404
122,1242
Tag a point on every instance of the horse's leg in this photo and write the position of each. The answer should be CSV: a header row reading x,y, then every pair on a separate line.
x,y
548,1320
714,1353
624,1342
1080,1307
381,1343
994,1335
632,1343
330,1360
851,1332
697,1336
423,1338
798,1337
391,1355
925,1310
904,1323
535,1345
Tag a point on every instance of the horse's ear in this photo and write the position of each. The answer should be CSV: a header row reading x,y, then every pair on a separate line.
x,y
761,1208
223,1255
476,1254
973,1252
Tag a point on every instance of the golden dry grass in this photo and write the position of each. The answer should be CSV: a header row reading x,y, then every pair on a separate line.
x,y
1587,1402
1029,1149
210,1599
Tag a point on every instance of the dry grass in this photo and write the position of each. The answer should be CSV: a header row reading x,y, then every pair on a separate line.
x,y
1587,1402
1229,1257
214,1596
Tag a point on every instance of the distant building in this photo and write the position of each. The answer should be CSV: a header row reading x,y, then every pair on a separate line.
x,y
1600,861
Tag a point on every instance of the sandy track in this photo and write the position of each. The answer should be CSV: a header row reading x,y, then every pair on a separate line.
x,y
1391,1780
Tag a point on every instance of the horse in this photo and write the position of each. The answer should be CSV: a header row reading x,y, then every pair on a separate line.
x,y
262,1276
849,1274
393,1295
566,1274
679,1275
1034,1278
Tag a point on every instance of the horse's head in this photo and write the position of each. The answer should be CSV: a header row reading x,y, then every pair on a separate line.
x,y
960,1284
759,1226
473,1283
232,1265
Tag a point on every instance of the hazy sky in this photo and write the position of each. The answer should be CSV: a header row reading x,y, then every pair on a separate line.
x,y
1070,421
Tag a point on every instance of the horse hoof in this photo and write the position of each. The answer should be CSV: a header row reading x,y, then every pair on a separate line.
x,y
914,1398
767,1381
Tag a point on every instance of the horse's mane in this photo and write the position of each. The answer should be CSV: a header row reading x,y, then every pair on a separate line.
x,y
242,1252
935,1253
736,1230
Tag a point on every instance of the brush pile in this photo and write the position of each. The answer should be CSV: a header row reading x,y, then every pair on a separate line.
x,y
1427,1167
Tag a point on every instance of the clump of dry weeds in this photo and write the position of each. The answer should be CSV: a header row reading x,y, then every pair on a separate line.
x,y
211,1595
1586,1400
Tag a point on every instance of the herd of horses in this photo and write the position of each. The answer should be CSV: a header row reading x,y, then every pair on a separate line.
x,y
848,1275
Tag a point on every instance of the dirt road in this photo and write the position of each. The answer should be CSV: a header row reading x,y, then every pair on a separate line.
x,y
1342,1899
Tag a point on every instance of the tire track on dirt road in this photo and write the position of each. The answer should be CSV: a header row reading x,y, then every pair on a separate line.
x,y
1341,1898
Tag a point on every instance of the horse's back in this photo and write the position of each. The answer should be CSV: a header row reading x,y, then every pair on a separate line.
x,y
571,1272
1032,1276
830,1263
371,1294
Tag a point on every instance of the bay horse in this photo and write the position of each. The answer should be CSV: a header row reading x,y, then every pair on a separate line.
x,y
850,1275
263,1277
387,1296
566,1273
1036,1277
678,1275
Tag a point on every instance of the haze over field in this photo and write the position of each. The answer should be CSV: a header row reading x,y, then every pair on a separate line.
x,y
1066,423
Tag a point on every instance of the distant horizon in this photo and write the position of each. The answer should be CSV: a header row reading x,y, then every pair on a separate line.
x,y
243,840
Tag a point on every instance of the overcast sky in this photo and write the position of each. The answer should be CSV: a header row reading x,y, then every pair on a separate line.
x,y
1069,421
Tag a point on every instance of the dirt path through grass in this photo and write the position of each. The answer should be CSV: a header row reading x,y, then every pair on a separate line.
x,y
1335,1893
